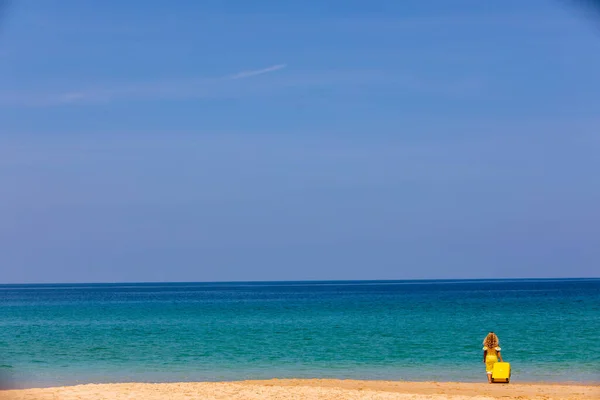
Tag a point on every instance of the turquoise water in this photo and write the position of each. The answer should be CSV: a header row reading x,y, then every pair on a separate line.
x,y
402,330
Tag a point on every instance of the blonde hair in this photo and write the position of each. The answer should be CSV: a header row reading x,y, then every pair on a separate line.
x,y
491,340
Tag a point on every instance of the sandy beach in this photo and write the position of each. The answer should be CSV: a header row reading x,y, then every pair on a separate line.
x,y
308,389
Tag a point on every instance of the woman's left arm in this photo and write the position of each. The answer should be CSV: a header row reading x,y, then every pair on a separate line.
x,y
500,357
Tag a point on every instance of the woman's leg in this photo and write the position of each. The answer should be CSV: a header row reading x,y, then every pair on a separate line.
x,y
490,360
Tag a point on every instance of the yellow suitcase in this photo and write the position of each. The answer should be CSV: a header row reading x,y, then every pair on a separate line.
x,y
501,372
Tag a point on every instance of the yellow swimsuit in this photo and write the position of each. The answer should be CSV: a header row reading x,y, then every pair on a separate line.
x,y
491,358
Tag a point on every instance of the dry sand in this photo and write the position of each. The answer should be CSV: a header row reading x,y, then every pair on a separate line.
x,y
308,389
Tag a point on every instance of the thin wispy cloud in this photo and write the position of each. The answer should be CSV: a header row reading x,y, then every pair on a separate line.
x,y
231,86
247,74
190,88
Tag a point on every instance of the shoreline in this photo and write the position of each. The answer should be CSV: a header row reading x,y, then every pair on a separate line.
x,y
312,389
291,380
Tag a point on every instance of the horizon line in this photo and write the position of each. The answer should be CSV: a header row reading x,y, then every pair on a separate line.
x,y
302,281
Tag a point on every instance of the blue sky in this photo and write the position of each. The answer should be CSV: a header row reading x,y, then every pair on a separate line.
x,y
270,140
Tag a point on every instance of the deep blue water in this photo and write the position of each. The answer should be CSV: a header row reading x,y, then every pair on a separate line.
x,y
403,330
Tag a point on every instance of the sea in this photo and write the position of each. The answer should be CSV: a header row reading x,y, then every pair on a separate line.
x,y
64,334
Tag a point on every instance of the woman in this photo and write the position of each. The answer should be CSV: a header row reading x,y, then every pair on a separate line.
x,y
491,353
